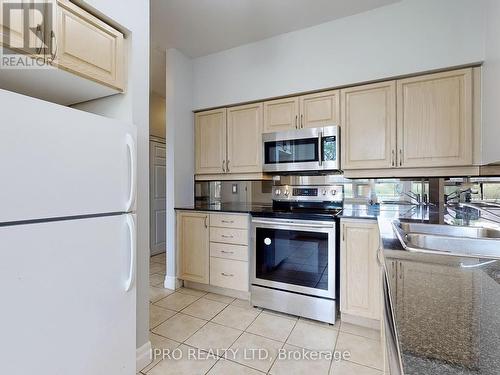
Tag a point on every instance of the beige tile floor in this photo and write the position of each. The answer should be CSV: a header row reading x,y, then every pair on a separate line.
x,y
217,329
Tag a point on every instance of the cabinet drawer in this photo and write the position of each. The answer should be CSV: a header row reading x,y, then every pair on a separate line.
x,y
229,221
229,235
224,250
231,274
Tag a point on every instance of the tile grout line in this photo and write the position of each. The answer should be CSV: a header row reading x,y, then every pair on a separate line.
x,y
241,334
283,346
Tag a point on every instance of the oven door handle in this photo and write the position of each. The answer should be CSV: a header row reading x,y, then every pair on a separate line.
x,y
293,224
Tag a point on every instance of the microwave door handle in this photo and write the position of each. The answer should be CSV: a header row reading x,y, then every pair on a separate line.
x,y
320,147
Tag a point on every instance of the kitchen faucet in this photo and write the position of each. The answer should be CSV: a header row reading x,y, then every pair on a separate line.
x,y
415,196
457,194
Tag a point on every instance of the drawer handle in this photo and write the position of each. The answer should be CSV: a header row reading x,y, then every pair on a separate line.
x,y
227,252
228,221
227,274
224,236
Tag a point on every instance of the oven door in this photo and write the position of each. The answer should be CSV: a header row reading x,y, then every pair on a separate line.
x,y
294,255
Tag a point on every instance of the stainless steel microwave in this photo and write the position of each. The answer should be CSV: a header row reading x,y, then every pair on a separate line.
x,y
313,149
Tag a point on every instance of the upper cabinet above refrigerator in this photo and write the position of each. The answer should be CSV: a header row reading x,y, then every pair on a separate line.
x,y
72,56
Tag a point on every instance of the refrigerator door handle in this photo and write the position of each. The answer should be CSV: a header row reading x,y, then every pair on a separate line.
x,y
132,155
133,253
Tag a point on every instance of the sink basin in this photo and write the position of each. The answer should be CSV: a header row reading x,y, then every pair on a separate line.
x,y
449,240
450,230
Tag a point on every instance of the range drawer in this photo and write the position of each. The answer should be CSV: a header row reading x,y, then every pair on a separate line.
x,y
226,273
229,221
224,250
229,235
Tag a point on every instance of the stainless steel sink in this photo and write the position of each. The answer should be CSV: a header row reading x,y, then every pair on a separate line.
x,y
450,230
448,239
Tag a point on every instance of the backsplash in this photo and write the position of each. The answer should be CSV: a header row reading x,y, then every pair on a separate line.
x,y
360,191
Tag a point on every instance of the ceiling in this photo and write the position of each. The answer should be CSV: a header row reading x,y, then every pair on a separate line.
x,y
201,27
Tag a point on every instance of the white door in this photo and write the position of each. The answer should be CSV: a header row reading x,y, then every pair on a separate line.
x,y
158,180
57,161
65,307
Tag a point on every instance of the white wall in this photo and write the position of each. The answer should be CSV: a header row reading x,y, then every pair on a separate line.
x,y
180,146
491,84
157,115
403,38
134,107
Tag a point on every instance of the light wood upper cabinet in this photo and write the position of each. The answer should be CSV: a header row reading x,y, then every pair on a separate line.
x,y
320,109
435,120
244,139
281,115
85,45
360,276
368,133
193,246
210,140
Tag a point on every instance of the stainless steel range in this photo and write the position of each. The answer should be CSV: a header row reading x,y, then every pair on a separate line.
x,y
295,257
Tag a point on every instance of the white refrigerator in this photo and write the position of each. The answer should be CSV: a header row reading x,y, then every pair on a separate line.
x,y
67,240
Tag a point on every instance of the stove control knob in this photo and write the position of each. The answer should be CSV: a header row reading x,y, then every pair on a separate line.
x,y
323,191
287,193
277,192
334,192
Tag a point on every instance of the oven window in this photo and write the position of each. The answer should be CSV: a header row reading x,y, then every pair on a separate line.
x,y
292,257
291,151
329,147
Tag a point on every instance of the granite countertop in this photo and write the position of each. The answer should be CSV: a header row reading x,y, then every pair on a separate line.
x,y
236,207
447,316
351,211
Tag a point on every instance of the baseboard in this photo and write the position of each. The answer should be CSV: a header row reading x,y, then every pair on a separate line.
x,y
143,356
361,321
218,290
171,282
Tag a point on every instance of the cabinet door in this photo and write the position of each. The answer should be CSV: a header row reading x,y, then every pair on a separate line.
x,y
281,114
368,133
359,270
244,139
320,109
193,246
86,46
210,139
435,120
433,317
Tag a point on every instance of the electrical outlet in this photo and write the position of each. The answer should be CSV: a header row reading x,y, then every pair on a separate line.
x,y
235,188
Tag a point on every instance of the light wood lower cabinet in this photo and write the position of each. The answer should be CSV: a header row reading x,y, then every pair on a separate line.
x,y
435,120
193,241
230,274
368,133
213,249
360,275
